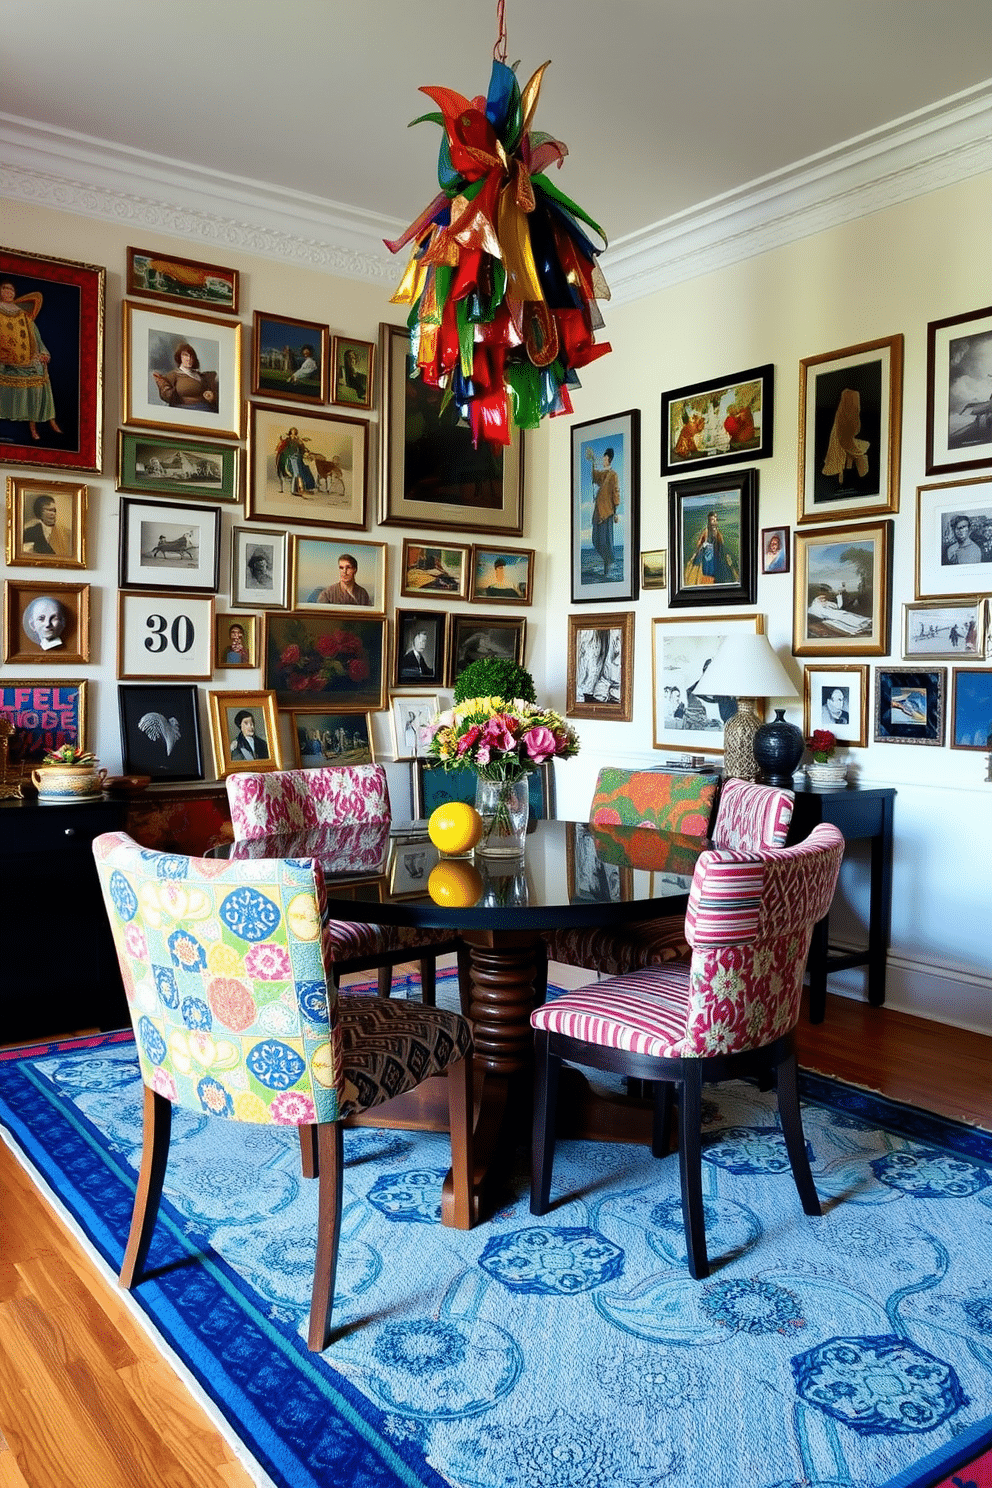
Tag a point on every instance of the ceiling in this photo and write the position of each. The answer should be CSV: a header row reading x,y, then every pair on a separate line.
x,y
662,106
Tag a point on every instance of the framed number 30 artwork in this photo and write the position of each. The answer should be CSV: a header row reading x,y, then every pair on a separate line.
x,y
165,636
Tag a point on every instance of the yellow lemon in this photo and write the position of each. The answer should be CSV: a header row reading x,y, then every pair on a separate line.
x,y
454,827
455,884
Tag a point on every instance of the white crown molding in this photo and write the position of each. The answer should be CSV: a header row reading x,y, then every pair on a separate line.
x,y
921,152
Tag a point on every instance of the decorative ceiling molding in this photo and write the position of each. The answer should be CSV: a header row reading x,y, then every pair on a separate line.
x,y
922,152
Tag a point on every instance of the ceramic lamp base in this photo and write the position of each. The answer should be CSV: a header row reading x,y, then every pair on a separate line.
x,y
738,742
778,748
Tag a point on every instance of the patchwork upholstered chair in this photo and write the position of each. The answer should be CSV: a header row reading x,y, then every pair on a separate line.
x,y
731,1011
294,802
227,967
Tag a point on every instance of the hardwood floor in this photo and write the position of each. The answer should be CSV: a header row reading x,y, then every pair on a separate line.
x,y
85,1399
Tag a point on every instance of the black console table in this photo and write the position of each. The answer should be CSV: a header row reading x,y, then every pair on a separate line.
x,y
60,967
860,813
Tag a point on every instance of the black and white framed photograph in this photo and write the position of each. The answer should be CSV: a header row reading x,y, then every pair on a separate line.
x,y
954,539
259,569
686,715
177,468
244,731
182,371
332,739
332,573
971,709
169,547
835,697
949,631
713,539
169,636
410,717
160,730
410,867
502,575
959,399
909,705
718,421
601,666
475,637
850,416
606,495
421,648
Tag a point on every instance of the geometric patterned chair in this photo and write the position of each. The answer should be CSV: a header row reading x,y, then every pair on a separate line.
x,y
291,802
731,1011
747,817
228,972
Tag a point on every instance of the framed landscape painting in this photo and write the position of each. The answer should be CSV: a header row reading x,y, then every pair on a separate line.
x,y
289,358
686,716
718,421
850,414
713,539
51,395
842,599
959,406
943,632
185,281
606,485
178,469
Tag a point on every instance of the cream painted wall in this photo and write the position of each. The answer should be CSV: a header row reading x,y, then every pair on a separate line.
x,y
887,273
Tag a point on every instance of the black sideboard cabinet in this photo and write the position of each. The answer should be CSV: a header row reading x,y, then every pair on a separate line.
x,y
60,969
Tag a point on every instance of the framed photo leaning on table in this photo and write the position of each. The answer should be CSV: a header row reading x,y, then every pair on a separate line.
x,y
686,716
600,666
46,523
606,491
835,697
182,371
160,730
170,636
165,546
959,409
909,706
850,415
954,539
244,731
842,599
713,539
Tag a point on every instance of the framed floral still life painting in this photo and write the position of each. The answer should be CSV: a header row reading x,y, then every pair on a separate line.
x,y
954,539
46,523
909,706
313,659
686,716
718,422
835,698
51,393
181,371
959,406
842,599
713,539
971,709
606,485
850,413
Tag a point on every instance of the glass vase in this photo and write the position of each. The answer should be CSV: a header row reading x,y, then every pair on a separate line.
x,y
503,806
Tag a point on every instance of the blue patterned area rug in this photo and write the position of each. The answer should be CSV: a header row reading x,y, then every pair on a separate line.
x,y
571,1351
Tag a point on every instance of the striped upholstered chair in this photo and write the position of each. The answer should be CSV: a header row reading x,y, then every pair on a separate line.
x,y
731,1011
296,804
747,817
227,967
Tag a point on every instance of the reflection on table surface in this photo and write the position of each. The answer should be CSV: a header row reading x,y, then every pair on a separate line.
x,y
566,865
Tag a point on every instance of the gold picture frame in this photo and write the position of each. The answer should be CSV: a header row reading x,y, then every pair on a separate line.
x,y
56,634
850,415
830,692
231,739
682,648
842,601
155,394
601,666
33,541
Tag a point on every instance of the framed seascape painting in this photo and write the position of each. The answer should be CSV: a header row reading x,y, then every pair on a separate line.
x,y
719,421
45,622
842,600
184,281
601,666
502,575
338,574
352,365
160,730
850,412
954,539
959,403
44,717
46,523
244,732
474,638
420,649
51,391
944,632
181,371
835,697
410,718
332,739
169,547
259,568
713,539
686,716
432,475
289,358
429,570
971,709
606,483
170,636
909,706
178,469
312,659
235,642
306,467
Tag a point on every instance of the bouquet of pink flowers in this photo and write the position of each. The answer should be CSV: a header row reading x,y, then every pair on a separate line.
x,y
498,739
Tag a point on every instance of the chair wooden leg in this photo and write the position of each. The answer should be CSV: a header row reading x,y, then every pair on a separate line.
x,y
691,1167
461,1112
546,1068
428,981
330,1191
791,1119
385,981
156,1130
661,1124
309,1159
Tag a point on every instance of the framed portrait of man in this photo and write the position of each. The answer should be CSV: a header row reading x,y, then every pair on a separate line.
x,y
46,523
244,731
421,647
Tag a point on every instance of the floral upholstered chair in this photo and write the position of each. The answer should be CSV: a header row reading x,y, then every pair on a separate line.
x,y
227,967
747,817
731,1011
294,804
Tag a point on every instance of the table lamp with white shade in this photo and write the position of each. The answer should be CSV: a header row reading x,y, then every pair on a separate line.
x,y
746,668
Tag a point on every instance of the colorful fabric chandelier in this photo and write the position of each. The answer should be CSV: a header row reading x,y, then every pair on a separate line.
x,y
502,279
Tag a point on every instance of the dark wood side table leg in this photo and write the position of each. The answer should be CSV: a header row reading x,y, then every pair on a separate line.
x,y
816,967
880,907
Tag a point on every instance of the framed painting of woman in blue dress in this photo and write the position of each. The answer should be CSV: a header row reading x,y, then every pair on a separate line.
x,y
51,362
713,540
606,484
